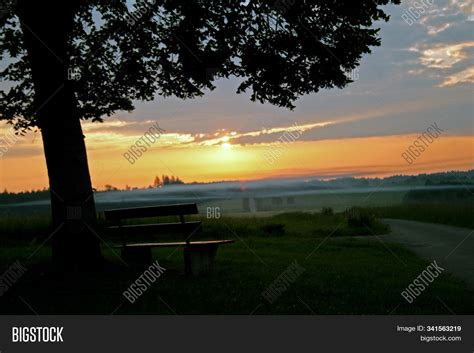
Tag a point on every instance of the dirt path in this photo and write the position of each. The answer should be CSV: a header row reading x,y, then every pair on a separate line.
x,y
451,247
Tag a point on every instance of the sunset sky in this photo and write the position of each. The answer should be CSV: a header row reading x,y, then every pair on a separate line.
x,y
422,74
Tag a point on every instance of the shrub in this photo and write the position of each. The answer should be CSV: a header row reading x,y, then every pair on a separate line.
x,y
359,217
274,229
327,211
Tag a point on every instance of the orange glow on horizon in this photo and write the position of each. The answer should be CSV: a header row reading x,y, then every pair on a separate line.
x,y
369,156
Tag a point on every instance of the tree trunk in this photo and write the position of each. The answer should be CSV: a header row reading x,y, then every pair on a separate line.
x,y
46,26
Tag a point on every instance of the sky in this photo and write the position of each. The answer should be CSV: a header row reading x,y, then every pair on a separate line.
x,y
422,74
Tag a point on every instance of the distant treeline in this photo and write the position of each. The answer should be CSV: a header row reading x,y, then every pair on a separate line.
x,y
166,180
157,183
452,178
433,179
43,194
460,196
24,196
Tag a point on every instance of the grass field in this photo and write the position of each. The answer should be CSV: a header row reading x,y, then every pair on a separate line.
x,y
342,274
450,214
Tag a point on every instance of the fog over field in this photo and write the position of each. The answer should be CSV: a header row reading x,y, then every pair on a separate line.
x,y
235,190
281,194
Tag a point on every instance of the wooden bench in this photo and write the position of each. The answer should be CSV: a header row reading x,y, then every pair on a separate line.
x,y
198,255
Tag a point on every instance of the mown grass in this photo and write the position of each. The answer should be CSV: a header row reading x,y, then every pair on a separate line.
x,y
16,229
342,275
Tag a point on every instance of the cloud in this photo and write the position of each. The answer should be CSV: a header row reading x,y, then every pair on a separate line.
x,y
465,76
451,63
262,135
444,53
444,56
380,103
439,16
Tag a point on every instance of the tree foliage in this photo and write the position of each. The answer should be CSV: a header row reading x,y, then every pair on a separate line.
x,y
120,52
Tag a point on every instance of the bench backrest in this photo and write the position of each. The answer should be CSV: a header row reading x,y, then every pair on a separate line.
x,y
153,211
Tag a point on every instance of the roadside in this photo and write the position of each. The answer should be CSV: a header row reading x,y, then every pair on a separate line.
x,y
452,247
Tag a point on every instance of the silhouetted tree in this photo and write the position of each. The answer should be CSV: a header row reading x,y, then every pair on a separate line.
x,y
109,187
85,59
157,182
167,180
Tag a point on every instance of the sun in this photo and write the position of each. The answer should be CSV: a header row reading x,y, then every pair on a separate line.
x,y
226,145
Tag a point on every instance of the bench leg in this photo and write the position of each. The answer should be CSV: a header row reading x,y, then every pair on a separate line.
x,y
136,256
199,259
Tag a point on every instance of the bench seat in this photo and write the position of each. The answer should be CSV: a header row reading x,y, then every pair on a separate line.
x,y
158,228
198,255
175,244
